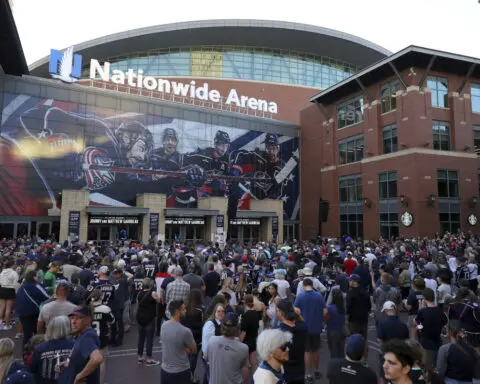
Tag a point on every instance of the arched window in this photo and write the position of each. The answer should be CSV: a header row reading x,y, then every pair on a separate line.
x,y
388,97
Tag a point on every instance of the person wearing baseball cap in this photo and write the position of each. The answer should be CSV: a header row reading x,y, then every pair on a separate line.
x,y
227,357
60,306
350,369
86,358
291,322
390,326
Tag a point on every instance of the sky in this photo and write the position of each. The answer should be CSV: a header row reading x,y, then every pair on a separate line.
x,y
448,25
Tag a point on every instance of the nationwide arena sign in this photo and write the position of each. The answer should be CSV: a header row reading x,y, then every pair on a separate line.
x,y
67,67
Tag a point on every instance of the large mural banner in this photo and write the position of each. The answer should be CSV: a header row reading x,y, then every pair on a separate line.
x,y
49,145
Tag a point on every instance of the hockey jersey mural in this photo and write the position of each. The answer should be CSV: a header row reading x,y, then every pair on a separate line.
x,y
48,145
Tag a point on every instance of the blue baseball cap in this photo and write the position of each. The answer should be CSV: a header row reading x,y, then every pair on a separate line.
x,y
355,277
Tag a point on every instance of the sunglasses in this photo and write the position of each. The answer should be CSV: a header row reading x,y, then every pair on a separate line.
x,y
284,347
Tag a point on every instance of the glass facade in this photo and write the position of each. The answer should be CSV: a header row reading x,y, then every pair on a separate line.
x,y
441,136
247,63
350,150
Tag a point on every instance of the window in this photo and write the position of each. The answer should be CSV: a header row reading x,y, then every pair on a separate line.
x,y
449,222
350,188
350,112
390,139
388,97
475,91
350,150
439,88
388,225
387,185
351,225
441,136
476,139
447,183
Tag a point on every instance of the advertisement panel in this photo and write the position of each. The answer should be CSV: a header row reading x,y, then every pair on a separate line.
x,y
48,145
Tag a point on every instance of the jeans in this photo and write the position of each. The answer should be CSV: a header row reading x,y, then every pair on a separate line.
x,y
176,378
431,358
336,343
117,327
206,374
29,324
127,322
452,381
146,333
160,317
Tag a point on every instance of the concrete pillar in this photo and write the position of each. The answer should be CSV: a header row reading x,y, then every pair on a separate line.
x,y
74,200
269,205
156,203
221,205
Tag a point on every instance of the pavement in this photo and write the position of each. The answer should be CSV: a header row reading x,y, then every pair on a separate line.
x,y
122,367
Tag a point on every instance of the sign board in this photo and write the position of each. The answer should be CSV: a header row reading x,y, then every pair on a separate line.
x,y
275,227
154,222
245,221
185,220
112,220
220,223
74,224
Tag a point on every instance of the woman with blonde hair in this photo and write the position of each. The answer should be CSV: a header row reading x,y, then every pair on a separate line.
x,y
212,327
229,288
12,370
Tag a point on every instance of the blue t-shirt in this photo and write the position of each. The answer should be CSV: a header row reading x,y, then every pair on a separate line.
x,y
85,344
311,304
335,321
45,357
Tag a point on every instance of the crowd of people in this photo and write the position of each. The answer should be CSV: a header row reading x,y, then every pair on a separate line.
x,y
259,313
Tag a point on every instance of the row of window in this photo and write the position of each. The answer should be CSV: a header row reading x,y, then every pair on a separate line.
x,y
351,111
352,224
351,149
350,187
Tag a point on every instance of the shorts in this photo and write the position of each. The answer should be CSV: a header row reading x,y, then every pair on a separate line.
x,y
360,328
312,343
7,293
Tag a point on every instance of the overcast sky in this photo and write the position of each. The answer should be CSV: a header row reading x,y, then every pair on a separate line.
x,y
449,25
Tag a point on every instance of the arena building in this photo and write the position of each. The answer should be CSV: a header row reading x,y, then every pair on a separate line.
x,y
185,131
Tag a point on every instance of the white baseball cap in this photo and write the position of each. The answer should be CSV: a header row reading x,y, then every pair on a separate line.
x,y
389,306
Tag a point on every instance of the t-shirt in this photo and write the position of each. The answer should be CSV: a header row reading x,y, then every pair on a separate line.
x,y
50,281
282,287
54,309
295,366
147,308
444,291
342,371
85,344
150,270
46,356
101,320
195,281
175,338
250,324
335,321
212,280
311,305
267,375
432,320
107,290
392,328
226,358
350,265
415,300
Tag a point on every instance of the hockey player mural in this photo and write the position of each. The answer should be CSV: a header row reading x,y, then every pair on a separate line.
x,y
47,146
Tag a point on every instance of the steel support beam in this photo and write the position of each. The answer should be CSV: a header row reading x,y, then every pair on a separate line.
x,y
364,90
399,77
427,71
467,77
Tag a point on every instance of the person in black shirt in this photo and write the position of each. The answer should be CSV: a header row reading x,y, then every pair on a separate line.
x,y
291,322
414,302
350,370
429,322
212,283
146,312
358,306
193,320
249,329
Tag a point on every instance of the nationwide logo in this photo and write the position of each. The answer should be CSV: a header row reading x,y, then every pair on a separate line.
x,y
67,67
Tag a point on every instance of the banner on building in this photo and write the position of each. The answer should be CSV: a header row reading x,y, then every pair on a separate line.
x,y
74,224
154,222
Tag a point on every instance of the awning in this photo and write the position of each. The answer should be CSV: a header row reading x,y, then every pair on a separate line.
x,y
190,212
117,211
255,214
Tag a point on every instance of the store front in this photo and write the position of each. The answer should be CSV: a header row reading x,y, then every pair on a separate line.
x,y
245,231
184,229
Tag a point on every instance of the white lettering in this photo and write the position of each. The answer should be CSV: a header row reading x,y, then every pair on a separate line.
x,y
140,78
213,95
150,83
163,86
96,67
118,77
272,107
262,105
244,100
131,75
252,103
180,89
202,92
233,98
192,89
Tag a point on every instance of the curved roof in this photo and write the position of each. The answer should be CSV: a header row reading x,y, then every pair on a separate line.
x,y
256,33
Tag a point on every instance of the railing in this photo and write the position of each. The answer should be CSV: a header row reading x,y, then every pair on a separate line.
x,y
221,105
